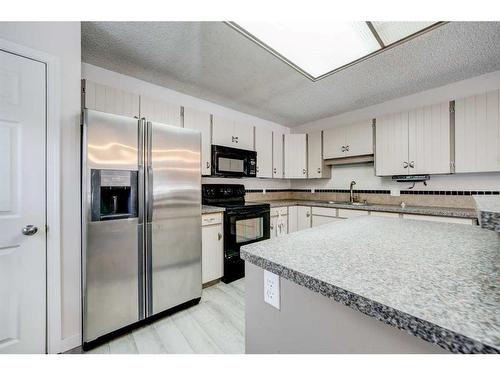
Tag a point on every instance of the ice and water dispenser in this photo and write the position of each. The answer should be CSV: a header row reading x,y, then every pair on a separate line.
x,y
114,194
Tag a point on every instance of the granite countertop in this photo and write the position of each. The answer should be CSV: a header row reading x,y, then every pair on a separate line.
x,y
419,210
205,209
488,212
437,281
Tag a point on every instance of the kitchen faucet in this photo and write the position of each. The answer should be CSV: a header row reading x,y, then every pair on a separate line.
x,y
351,194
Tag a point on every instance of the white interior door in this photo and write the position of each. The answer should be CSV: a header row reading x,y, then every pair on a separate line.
x,y
22,203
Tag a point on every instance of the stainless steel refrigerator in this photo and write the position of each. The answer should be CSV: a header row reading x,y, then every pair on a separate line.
x,y
141,221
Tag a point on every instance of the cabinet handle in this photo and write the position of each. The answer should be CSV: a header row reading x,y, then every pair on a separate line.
x,y
412,164
208,164
343,148
308,214
219,236
319,170
303,171
274,170
347,148
405,164
272,227
257,168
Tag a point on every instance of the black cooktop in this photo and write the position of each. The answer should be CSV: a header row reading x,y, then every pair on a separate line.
x,y
227,195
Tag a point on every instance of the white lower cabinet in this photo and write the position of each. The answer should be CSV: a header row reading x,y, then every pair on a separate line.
x,y
384,214
275,223
346,214
453,220
323,215
212,244
299,217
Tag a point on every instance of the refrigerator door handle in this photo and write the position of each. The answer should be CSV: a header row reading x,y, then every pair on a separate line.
x,y
141,156
149,173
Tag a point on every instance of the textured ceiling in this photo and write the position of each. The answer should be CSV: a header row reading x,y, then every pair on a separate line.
x,y
212,61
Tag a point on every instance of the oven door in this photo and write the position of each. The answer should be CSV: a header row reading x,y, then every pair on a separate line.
x,y
244,226
232,162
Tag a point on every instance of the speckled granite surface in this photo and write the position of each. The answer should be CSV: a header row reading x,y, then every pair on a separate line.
x,y
205,209
488,212
419,210
437,281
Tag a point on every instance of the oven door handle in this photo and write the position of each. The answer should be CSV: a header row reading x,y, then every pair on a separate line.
x,y
253,213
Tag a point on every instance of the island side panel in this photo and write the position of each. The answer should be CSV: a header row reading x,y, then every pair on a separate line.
x,y
311,323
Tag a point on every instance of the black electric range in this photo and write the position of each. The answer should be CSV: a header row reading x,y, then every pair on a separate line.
x,y
244,223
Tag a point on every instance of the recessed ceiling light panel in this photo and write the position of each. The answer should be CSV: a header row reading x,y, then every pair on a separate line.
x,y
319,48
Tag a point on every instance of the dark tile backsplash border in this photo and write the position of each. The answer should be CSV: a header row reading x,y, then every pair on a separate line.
x,y
403,192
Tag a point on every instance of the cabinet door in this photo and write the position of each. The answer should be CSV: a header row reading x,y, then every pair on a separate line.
x,y
212,253
303,217
320,220
293,219
359,139
110,100
429,140
198,120
315,168
274,225
334,142
244,135
159,111
295,156
477,133
277,155
222,132
391,145
264,148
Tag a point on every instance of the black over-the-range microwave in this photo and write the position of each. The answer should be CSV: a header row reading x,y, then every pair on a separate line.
x,y
233,162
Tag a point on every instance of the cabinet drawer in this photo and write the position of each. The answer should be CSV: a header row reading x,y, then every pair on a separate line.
x,y
384,214
351,213
324,211
320,220
454,220
210,219
275,211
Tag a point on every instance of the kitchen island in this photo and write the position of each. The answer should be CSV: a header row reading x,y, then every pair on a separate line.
x,y
376,285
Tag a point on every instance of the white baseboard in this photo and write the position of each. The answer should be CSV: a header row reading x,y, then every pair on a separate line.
x,y
70,343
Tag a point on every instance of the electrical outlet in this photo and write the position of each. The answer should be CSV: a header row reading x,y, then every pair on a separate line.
x,y
395,192
272,289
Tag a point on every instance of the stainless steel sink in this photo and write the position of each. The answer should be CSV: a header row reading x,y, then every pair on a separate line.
x,y
350,203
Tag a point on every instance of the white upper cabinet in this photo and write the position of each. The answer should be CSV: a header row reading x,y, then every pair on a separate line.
x,y
278,171
414,142
477,133
230,133
199,120
347,141
264,148
295,155
334,142
315,166
429,140
359,139
391,145
110,100
158,111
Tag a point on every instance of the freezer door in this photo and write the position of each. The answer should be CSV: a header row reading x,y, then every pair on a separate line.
x,y
173,216
112,249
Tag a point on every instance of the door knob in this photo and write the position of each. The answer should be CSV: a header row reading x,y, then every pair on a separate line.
x,y
29,230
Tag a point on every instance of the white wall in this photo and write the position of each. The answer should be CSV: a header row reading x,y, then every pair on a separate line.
x,y
364,175
62,40
137,86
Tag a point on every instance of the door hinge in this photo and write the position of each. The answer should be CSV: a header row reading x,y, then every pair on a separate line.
x,y
452,107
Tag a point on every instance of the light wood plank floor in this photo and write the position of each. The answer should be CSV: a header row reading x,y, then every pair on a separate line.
x,y
215,325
